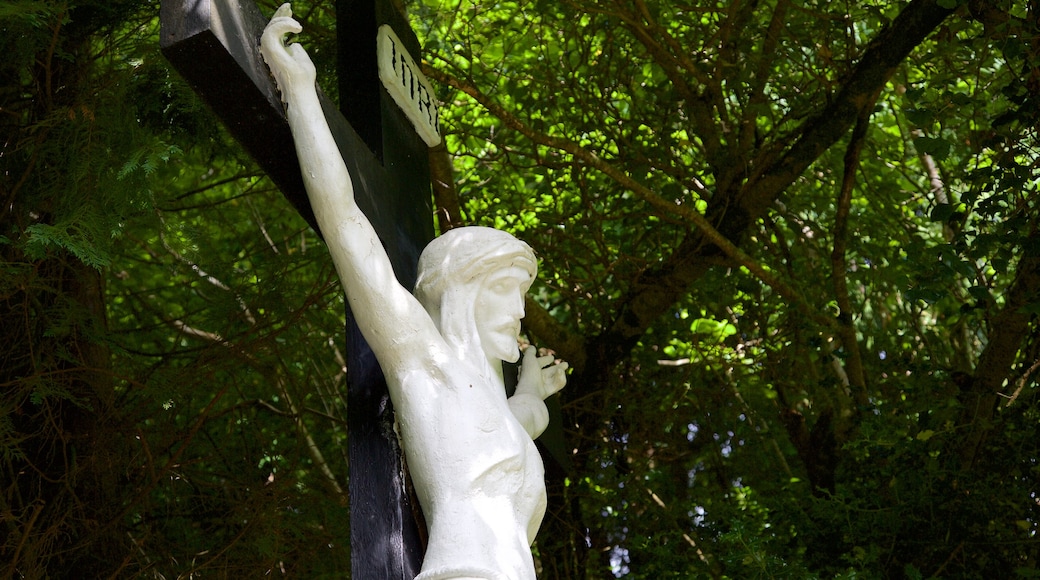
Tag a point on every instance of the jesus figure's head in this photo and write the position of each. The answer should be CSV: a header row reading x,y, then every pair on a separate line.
x,y
472,281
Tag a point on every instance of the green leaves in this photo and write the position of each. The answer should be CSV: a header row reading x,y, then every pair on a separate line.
x,y
149,159
733,439
938,148
73,237
695,102
942,212
712,330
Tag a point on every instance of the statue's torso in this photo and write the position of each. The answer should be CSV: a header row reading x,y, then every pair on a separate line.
x,y
476,471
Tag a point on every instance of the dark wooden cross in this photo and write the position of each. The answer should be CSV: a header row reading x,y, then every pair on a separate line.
x,y
214,44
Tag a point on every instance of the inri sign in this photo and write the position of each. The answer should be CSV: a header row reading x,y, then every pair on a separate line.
x,y
407,85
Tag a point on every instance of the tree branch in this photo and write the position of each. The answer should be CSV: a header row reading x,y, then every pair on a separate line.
x,y
667,208
445,195
569,346
858,94
312,447
839,261
766,58
729,216
674,61
1010,327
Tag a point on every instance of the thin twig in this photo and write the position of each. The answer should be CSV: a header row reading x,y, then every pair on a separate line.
x,y
1022,383
854,361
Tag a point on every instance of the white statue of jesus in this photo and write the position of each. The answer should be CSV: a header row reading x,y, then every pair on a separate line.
x,y
470,450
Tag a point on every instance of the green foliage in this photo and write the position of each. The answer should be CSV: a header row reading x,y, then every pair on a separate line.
x,y
848,392
151,423
778,443
67,236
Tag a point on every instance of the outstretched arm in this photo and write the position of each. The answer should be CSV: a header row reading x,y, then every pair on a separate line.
x,y
539,378
379,303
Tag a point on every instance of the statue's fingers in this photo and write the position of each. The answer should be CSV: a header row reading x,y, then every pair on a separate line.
x,y
283,10
544,361
280,26
561,370
530,359
555,385
298,53
553,379
560,378
272,43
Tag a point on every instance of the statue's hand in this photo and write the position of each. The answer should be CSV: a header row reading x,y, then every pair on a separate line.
x,y
539,376
290,65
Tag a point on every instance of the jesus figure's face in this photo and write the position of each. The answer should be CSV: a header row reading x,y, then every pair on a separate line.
x,y
498,311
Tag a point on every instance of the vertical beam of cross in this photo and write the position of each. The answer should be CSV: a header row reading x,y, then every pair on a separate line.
x,y
214,44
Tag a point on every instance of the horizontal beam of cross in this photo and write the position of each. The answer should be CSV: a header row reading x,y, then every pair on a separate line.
x,y
207,42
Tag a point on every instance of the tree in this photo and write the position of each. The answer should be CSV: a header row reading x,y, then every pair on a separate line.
x,y
770,231
152,422
59,209
790,249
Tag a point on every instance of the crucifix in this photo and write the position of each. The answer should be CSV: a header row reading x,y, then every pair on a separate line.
x,y
438,328
388,123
